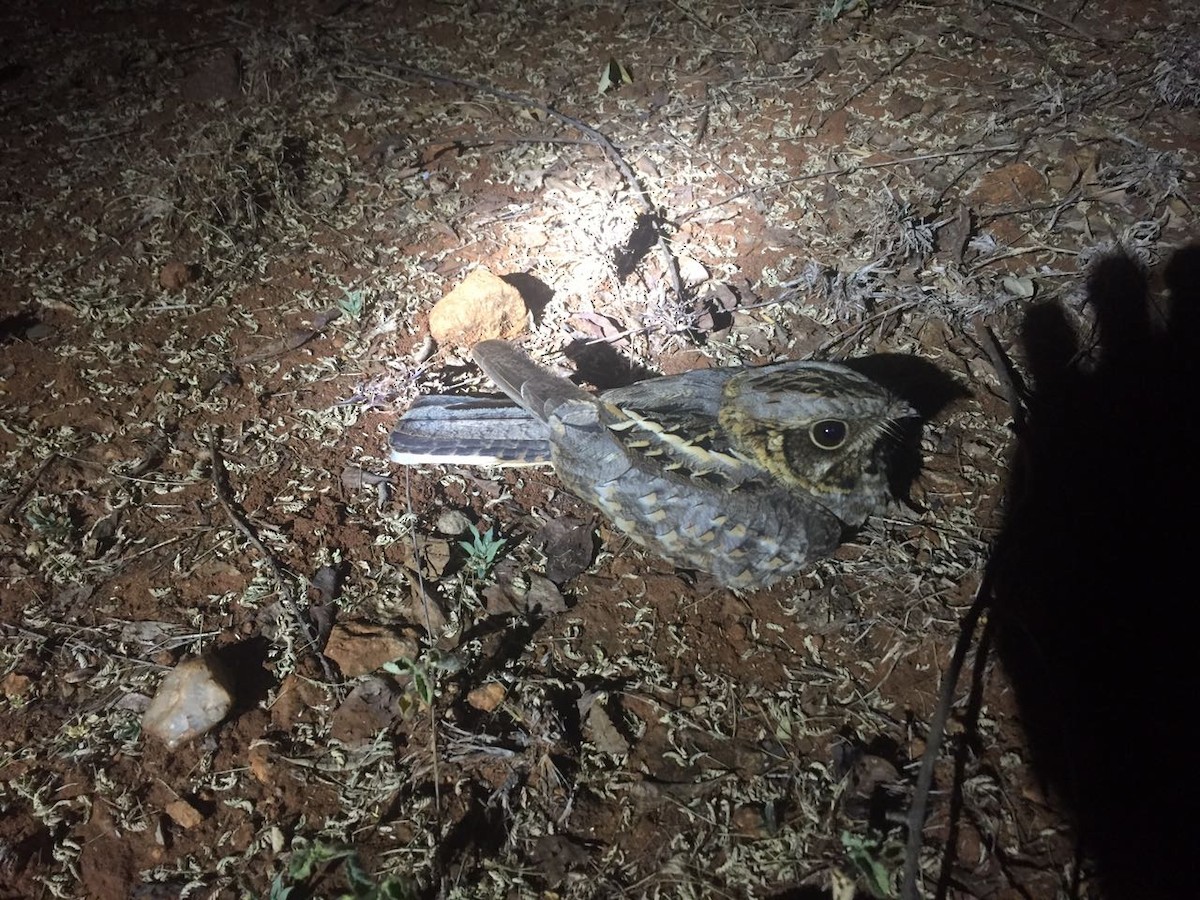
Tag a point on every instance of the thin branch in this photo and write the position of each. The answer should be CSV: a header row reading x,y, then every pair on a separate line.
x,y
862,89
11,507
966,635
937,730
426,599
220,482
851,169
1080,33
1003,369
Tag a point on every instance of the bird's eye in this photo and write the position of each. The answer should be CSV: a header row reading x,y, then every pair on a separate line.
x,y
828,434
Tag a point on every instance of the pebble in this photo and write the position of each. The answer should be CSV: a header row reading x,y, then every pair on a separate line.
x,y
362,647
193,698
483,306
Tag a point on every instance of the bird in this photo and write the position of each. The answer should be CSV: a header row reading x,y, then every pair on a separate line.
x,y
748,473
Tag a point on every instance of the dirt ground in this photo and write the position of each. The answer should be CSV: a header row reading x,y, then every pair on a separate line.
x,y
224,227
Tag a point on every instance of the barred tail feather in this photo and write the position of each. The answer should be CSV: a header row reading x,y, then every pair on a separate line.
x,y
468,431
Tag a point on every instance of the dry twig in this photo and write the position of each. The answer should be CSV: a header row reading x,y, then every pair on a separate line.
x,y
220,482
11,507
966,635
937,730
1080,33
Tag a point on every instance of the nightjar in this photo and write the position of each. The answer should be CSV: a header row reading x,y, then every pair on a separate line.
x,y
747,472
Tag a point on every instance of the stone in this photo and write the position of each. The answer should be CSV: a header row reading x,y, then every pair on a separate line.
x,y
183,814
487,697
482,307
452,522
176,275
191,700
1015,184
15,686
371,707
362,647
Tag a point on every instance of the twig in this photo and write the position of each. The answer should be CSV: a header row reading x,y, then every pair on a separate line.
x,y
11,507
1003,369
937,729
426,599
298,338
1065,23
858,329
966,634
220,482
595,136
851,169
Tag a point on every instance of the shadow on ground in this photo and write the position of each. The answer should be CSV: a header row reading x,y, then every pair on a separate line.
x,y
1095,574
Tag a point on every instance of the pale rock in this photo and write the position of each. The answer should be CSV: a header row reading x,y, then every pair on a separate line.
x,y
692,271
372,706
452,522
487,697
183,814
601,731
483,306
192,699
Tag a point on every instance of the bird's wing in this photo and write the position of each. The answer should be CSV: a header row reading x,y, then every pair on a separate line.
x,y
696,394
537,389
674,421
471,431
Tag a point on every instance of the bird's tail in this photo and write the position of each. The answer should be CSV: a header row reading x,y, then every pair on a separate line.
x,y
469,431
537,389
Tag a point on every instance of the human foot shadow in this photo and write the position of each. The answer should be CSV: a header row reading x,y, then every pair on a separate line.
x,y
1095,573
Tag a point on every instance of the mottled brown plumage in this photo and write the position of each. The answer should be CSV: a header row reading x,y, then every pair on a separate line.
x,y
747,472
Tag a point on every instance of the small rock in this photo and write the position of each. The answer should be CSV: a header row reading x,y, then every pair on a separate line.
x,y
1016,183
176,275
452,522
437,557
192,699
361,647
487,697
528,593
750,821
569,545
40,332
183,814
372,706
15,685
262,766
774,51
483,306
297,699
692,271
217,76
601,731
429,556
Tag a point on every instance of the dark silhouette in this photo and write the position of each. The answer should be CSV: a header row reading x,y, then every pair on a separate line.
x,y
1095,573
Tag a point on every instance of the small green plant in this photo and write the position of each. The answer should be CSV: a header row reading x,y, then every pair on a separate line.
x,y
875,859
422,675
482,551
351,304
309,861
50,522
